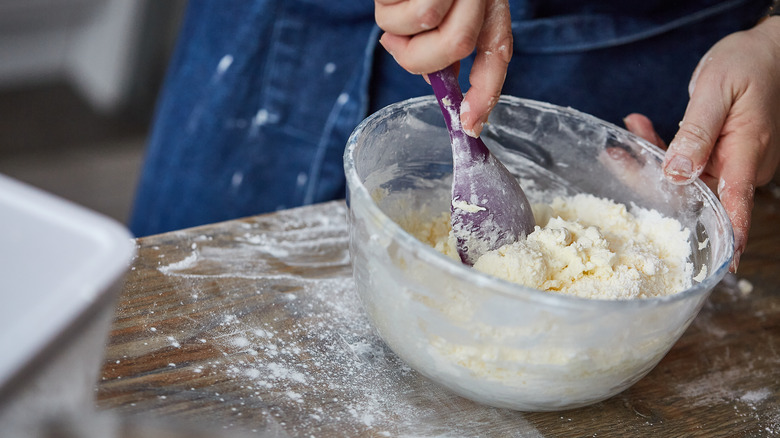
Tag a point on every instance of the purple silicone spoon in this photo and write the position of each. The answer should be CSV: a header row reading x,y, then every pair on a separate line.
x,y
489,209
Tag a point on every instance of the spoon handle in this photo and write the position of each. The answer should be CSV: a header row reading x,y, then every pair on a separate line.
x,y
447,91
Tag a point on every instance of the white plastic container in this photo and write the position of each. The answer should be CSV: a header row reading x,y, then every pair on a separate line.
x,y
61,268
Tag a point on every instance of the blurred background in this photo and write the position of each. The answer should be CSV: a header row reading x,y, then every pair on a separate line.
x,y
78,83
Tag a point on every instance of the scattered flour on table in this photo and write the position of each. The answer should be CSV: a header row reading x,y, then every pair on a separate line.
x,y
717,388
752,397
745,286
185,263
726,373
329,366
320,362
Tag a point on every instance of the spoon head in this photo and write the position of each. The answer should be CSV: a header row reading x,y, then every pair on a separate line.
x,y
489,208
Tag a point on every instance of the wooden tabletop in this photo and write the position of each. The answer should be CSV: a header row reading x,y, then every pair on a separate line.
x,y
254,326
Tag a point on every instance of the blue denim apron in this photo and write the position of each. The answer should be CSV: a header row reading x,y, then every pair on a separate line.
x,y
261,96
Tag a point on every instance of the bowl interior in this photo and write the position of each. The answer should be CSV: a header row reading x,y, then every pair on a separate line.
x,y
400,158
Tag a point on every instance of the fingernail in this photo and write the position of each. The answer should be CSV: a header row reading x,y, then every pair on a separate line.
x,y
465,115
382,41
505,53
475,131
465,107
740,240
735,261
627,123
679,166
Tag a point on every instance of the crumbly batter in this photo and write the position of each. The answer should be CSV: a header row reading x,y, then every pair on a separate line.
x,y
586,246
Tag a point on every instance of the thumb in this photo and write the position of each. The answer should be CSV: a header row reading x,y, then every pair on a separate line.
x,y
700,129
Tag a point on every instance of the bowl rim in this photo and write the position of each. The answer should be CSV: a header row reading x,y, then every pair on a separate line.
x,y
356,191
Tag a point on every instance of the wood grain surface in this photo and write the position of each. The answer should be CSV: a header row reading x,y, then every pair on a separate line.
x,y
254,326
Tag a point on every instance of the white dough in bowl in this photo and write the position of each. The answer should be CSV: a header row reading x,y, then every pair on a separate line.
x,y
586,246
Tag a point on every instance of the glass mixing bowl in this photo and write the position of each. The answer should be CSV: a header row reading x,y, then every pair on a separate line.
x,y
487,339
